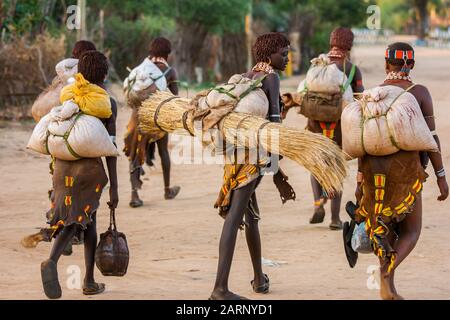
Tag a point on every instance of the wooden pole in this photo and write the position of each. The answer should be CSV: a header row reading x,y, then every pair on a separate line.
x,y
81,33
102,30
248,32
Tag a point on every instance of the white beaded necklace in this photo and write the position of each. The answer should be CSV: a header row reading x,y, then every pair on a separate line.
x,y
398,76
263,67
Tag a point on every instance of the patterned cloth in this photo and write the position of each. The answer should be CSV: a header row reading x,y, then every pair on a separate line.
x,y
235,176
136,144
77,186
391,185
330,130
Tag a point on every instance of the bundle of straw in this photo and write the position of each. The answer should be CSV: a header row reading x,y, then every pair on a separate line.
x,y
318,154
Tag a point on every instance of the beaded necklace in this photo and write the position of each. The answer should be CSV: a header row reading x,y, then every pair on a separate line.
x,y
393,75
263,67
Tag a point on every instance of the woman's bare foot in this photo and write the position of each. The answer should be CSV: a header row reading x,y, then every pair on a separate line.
x,y
218,294
387,288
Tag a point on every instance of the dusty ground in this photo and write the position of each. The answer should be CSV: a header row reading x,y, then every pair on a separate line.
x,y
174,244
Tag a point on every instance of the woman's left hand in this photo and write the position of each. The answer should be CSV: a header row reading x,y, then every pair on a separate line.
x,y
113,198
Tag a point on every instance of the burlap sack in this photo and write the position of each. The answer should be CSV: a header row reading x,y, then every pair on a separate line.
x,y
67,134
386,119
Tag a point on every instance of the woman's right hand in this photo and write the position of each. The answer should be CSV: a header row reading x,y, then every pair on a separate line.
x,y
443,188
113,197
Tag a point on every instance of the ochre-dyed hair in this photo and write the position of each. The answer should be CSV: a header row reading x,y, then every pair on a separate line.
x,y
399,46
268,44
93,65
82,46
342,38
160,47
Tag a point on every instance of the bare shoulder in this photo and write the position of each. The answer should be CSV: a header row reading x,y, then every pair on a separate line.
x,y
172,74
272,78
421,88
421,92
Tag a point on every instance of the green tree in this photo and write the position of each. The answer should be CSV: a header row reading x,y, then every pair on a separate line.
x,y
195,20
313,19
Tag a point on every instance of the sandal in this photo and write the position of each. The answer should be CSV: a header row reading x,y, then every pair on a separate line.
x,y
50,283
336,226
318,216
350,208
171,193
136,203
231,296
93,288
347,233
264,288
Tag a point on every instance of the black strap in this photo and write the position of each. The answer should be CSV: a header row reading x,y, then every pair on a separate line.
x,y
258,139
155,117
162,75
112,220
185,126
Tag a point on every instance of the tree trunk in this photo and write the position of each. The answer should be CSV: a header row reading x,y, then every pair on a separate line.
x,y
47,9
306,32
210,58
234,54
187,48
422,14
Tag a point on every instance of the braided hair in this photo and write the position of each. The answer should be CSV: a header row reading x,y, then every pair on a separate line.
x,y
160,47
93,65
82,46
342,38
268,44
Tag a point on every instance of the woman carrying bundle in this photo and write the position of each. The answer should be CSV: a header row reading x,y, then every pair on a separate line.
x,y
341,42
77,189
44,234
389,187
137,146
237,198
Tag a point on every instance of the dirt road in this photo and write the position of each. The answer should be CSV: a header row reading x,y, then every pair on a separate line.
x,y
174,244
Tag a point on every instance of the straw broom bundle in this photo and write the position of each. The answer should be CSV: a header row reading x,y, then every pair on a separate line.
x,y
318,154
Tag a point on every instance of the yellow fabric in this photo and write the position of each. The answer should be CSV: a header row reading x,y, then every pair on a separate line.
x,y
90,98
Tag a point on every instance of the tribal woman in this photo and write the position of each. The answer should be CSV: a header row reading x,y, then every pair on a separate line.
x,y
44,234
237,198
77,188
341,42
138,147
389,187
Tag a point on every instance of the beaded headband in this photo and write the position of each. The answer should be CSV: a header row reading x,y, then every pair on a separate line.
x,y
400,54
